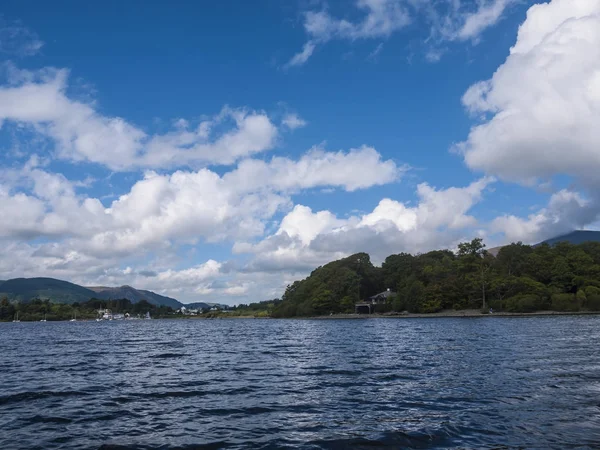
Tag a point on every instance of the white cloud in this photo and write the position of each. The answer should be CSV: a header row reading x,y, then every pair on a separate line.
x,y
301,223
306,239
357,169
381,19
80,133
193,276
20,215
293,121
448,20
541,108
487,14
565,212
301,57
182,207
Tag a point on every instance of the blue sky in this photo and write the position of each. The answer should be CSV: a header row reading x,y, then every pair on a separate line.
x,y
217,152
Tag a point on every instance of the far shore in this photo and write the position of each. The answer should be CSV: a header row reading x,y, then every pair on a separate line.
x,y
466,313
453,314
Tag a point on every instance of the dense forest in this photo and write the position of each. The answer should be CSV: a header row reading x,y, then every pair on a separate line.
x,y
520,278
37,309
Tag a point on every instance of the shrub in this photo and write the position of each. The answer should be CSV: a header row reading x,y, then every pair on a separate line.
x,y
593,302
523,303
398,304
565,302
430,306
591,290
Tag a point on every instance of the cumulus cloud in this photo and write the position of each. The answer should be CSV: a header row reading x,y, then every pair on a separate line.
x,y
306,239
40,100
182,207
541,108
356,169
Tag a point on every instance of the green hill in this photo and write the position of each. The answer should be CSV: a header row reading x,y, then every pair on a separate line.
x,y
332,288
564,276
134,295
58,291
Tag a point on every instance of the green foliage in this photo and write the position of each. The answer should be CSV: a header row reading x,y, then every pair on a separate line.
x,y
333,288
398,304
520,278
593,302
565,302
591,291
523,303
260,309
512,259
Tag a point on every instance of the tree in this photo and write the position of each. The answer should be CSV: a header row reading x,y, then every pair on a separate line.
x,y
476,259
513,258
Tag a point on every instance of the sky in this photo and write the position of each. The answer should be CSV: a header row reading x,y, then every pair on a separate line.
x,y
218,151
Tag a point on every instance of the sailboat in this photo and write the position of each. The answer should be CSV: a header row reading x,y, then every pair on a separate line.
x,y
148,316
44,319
16,318
74,319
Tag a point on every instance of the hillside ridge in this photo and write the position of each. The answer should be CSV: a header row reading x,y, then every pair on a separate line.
x,y
61,291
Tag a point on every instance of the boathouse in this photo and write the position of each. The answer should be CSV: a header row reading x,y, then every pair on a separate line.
x,y
368,306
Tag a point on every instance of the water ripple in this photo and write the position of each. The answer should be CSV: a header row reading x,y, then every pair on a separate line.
x,y
412,383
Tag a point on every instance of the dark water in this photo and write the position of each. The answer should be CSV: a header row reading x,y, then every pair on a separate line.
x,y
376,383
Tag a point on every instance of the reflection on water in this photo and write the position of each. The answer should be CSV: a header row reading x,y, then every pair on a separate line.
x,y
409,383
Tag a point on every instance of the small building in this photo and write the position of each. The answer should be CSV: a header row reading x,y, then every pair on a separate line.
x,y
368,306
381,298
105,314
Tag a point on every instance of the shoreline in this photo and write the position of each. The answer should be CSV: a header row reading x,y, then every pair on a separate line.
x,y
451,314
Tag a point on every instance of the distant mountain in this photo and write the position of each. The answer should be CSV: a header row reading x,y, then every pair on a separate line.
x,y
25,289
197,305
134,295
574,237
59,291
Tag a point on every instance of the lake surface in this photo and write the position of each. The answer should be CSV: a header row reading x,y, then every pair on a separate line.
x,y
332,384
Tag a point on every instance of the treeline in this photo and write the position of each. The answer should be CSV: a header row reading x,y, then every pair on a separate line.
x,y
520,278
38,309
260,309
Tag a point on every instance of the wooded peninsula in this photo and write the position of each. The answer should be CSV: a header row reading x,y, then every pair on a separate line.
x,y
517,278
